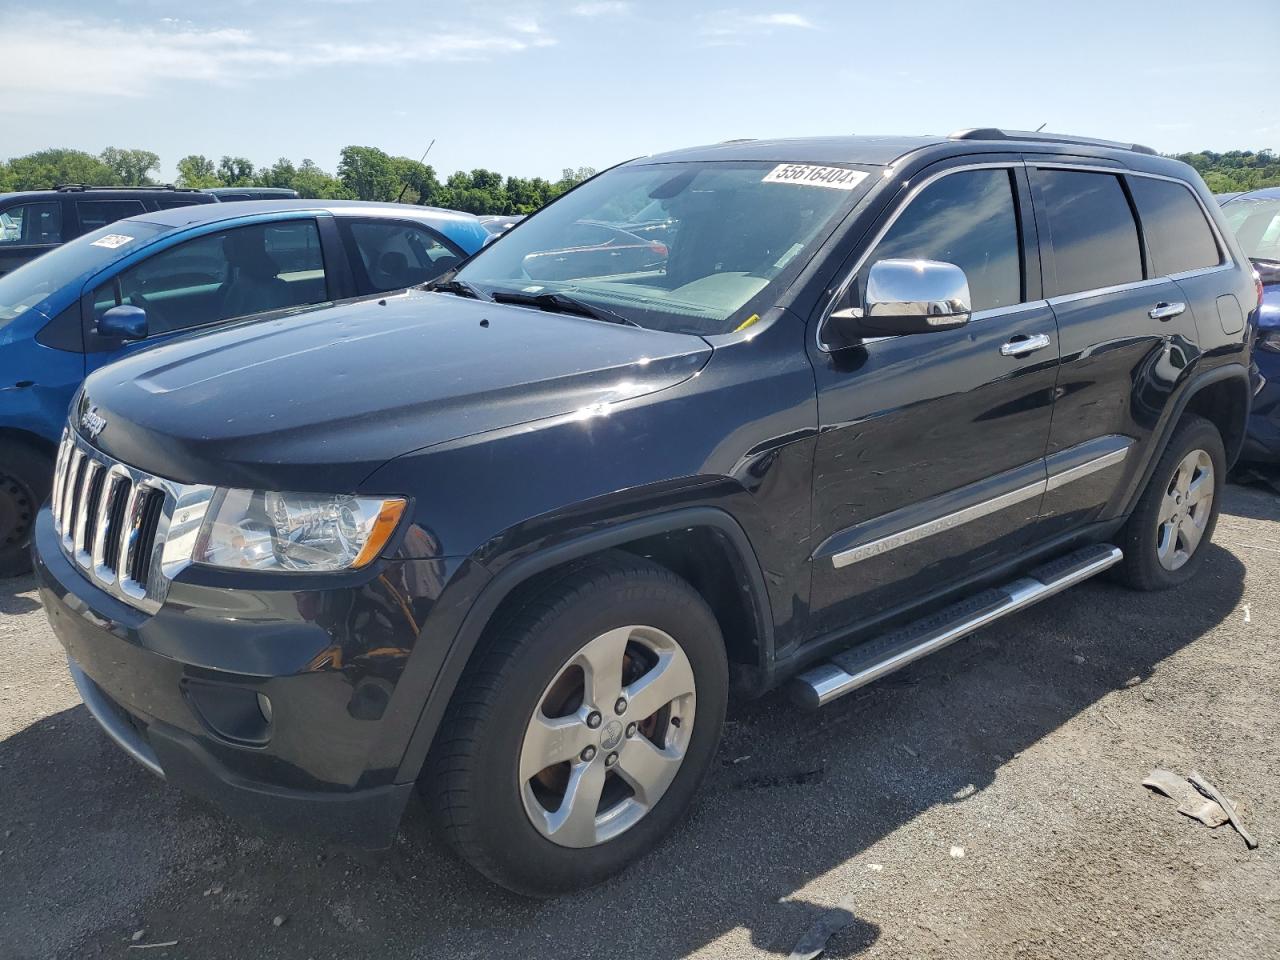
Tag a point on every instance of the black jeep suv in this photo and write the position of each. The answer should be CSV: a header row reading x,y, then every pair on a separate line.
x,y
512,542
33,222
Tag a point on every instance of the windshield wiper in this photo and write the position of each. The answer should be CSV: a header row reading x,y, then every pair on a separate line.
x,y
458,287
561,303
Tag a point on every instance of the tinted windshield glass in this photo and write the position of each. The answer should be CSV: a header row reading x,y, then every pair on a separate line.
x,y
1256,224
689,247
32,282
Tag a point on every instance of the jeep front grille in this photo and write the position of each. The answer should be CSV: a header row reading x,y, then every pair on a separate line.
x,y
128,531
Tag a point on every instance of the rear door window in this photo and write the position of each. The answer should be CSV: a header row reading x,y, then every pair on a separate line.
x,y
31,224
1178,235
393,255
968,219
1094,235
93,214
221,276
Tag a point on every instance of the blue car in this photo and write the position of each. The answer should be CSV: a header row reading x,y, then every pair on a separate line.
x,y
1254,217
147,279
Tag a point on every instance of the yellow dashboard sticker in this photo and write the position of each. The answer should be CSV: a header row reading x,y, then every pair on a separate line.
x,y
812,175
750,321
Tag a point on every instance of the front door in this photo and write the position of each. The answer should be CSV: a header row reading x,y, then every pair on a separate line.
x,y
930,458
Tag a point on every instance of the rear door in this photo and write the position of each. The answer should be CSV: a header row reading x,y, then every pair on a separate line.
x,y
389,255
93,214
1127,338
930,455
27,230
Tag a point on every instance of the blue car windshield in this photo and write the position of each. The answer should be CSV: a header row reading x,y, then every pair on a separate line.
x,y
1256,223
31,283
691,247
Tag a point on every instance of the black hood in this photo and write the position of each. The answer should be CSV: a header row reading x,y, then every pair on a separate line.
x,y
316,401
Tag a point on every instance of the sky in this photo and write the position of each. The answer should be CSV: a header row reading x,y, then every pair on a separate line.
x,y
529,88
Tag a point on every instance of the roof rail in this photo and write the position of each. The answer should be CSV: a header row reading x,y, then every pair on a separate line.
x,y
1035,136
83,187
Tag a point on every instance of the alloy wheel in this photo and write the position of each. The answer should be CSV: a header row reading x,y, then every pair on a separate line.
x,y
608,736
1185,510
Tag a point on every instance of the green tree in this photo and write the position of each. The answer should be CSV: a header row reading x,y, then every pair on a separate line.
x,y
368,173
416,182
48,168
280,174
197,172
131,167
313,183
235,172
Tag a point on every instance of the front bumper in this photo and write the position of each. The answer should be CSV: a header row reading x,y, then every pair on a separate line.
x,y
178,691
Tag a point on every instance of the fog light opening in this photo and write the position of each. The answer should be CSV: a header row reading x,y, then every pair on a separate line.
x,y
264,705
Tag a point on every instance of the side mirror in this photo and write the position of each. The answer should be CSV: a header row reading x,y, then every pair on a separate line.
x,y
124,321
905,297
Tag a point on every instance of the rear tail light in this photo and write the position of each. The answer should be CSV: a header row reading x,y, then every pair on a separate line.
x,y
660,250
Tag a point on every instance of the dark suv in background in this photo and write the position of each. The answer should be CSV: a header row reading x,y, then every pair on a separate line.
x,y
513,543
35,221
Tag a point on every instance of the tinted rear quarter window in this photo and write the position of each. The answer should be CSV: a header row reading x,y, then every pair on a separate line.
x,y
98,213
1095,238
31,224
1178,235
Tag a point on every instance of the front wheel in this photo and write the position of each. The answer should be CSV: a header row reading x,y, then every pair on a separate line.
x,y
26,476
579,734
1166,537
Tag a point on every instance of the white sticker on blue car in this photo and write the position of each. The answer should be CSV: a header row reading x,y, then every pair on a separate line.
x,y
812,175
113,240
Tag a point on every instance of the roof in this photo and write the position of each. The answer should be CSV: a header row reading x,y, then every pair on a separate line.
x,y
212,212
882,151
1263,193
876,151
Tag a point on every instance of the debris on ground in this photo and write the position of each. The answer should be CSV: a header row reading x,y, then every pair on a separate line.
x,y
153,946
1232,809
814,940
278,921
138,934
1199,800
957,853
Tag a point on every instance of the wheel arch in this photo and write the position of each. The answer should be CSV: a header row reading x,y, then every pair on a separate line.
x,y
1222,396
705,542
27,438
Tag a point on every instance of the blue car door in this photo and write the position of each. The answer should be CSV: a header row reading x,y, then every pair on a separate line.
x,y
218,276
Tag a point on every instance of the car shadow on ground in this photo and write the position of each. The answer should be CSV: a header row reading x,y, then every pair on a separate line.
x,y
97,847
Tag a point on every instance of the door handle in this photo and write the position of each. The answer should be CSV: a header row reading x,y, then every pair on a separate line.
x,y
1165,310
1020,346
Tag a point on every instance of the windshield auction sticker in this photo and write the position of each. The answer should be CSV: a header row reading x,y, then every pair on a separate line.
x,y
113,240
811,175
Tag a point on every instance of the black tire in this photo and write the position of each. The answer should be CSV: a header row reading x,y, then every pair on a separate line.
x,y
26,477
471,782
1141,568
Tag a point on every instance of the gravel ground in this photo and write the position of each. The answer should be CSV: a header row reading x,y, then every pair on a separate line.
x,y
983,803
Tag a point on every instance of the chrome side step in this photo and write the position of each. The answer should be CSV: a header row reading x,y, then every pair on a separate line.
x,y
873,659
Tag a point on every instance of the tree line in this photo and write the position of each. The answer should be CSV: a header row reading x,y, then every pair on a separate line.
x,y
364,173
367,173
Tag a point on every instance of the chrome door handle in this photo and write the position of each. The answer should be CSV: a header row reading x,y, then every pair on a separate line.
x,y
1166,311
1020,348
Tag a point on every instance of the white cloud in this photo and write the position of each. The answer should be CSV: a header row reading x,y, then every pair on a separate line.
x,y
731,27
782,20
108,58
603,8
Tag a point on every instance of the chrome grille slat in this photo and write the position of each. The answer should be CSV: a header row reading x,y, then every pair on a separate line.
x,y
113,522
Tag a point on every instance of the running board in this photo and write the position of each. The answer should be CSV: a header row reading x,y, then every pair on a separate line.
x,y
873,659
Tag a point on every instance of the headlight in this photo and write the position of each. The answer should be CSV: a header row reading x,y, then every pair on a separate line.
x,y
263,530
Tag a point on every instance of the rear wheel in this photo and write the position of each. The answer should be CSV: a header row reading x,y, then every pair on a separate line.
x,y
26,476
578,736
1165,539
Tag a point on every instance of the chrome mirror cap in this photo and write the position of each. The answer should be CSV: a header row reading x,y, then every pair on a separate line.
x,y
906,297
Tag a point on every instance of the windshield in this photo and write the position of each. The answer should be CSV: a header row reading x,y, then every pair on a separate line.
x,y
1256,224
689,247
27,286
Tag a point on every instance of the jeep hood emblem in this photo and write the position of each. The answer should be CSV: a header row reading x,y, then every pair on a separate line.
x,y
93,422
